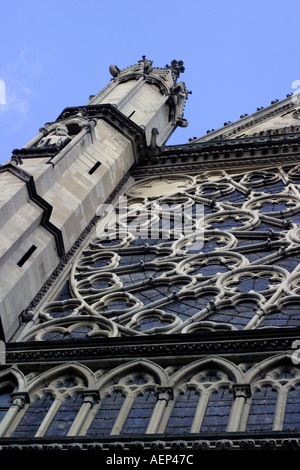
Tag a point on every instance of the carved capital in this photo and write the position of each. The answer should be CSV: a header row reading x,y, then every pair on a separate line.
x,y
164,393
88,125
241,390
20,399
91,396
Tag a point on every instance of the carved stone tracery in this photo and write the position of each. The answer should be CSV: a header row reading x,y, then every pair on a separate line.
x,y
239,258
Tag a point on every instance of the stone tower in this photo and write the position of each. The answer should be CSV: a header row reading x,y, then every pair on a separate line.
x,y
51,188
150,293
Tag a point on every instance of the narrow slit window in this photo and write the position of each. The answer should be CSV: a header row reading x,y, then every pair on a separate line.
x,y
26,256
94,168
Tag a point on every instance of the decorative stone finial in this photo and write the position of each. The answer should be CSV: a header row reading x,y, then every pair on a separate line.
x,y
148,67
177,68
114,70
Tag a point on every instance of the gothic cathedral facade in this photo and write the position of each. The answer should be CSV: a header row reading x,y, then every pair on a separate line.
x,y
150,293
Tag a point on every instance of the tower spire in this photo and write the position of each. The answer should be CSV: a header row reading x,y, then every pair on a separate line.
x,y
177,68
150,96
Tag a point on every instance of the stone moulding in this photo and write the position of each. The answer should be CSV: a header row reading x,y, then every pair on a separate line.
x,y
234,342
196,167
70,254
248,152
20,154
115,118
35,197
107,113
157,444
262,115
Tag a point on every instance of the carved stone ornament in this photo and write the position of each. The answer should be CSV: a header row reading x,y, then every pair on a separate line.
x,y
59,137
190,254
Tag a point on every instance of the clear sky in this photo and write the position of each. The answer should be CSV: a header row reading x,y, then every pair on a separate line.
x,y
238,55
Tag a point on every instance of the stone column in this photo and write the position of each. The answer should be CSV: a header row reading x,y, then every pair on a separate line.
x,y
19,401
90,397
123,413
240,392
280,410
200,412
42,132
163,396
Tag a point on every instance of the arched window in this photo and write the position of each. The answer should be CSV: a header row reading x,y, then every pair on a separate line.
x,y
262,410
63,420
218,410
203,403
275,402
52,408
292,410
34,416
140,413
126,405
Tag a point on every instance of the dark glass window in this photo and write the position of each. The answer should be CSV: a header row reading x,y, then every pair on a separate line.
x,y
218,410
65,416
262,410
34,416
107,414
64,293
288,315
140,414
183,413
237,315
158,292
186,308
5,402
292,411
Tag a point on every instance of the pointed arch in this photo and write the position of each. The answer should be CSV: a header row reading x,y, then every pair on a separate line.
x,y
72,368
197,407
11,381
159,374
14,375
52,409
212,362
275,381
127,399
267,364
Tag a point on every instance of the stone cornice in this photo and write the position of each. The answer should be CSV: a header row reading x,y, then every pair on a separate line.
x,y
239,342
262,115
154,445
195,168
115,118
250,141
248,152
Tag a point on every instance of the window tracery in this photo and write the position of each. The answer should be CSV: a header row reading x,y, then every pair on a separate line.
x,y
52,408
275,401
202,404
160,278
207,396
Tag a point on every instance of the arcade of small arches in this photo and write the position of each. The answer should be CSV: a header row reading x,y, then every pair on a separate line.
x,y
237,267
211,395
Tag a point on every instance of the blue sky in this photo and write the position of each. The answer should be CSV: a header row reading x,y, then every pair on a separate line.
x,y
238,55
